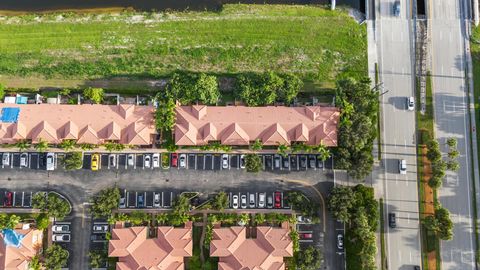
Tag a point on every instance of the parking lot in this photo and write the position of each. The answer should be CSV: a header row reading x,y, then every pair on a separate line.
x,y
146,199
152,161
18,199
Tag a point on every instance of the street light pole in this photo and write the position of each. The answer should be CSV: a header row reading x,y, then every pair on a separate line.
x,y
333,4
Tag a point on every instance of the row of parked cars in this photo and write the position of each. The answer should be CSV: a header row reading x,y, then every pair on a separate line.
x,y
46,161
255,200
61,232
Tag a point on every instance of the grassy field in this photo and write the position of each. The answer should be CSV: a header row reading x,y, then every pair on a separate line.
x,y
313,42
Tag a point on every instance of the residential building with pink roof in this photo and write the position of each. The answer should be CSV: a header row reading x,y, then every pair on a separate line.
x,y
164,252
18,258
264,252
94,124
240,125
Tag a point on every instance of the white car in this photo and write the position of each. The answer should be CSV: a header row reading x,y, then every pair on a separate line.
x,y
23,160
50,161
100,228
156,199
224,161
242,161
261,200
61,238
410,103
121,203
156,160
243,201
6,159
60,228
183,161
112,160
146,161
131,159
235,201
303,219
402,166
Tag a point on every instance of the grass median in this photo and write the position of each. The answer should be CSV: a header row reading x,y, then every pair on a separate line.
x,y
239,38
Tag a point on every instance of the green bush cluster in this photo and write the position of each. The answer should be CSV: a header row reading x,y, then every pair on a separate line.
x,y
300,202
105,201
440,223
358,126
51,204
216,146
253,163
73,160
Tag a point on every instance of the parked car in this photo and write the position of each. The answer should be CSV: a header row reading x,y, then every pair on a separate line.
x,y
61,228
312,162
156,160
121,203
242,161
235,201
156,199
6,159
261,200
268,161
95,162
416,267
131,159
303,219
50,162
183,161
278,199
140,200
8,200
100,228
251,200
410,103
286,162
340,241
174,159
303,162
225,161
402,166
269,201
243,201
305,236
276,162
392,222
286,203
23,160
61,238
396,8
112,160
147,161
98,237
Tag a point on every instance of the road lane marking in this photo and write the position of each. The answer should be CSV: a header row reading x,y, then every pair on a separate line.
x,y
410,256
396,179
399,256
408,221
405,143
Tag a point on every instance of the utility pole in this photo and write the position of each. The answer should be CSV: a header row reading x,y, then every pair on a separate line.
x,y
475,12
333,4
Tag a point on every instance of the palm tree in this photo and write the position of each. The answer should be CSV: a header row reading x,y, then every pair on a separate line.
x,y
41,146
257,145
67,144
323,152
282,150
22,145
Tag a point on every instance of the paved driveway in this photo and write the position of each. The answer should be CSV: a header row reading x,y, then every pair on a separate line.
x,y
79,186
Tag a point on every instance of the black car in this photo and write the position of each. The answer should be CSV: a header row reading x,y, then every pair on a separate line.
x,y
293,162
319,162
42,160
392,220
416,267
303,162
312,162
268,162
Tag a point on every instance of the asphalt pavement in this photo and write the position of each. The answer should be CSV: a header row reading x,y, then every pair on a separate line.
x,y
395,51
449,41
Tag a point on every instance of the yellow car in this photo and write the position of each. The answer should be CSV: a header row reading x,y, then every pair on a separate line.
x,y
95,162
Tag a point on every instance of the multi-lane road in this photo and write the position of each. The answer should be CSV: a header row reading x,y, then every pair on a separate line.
x,y
448,51
395,52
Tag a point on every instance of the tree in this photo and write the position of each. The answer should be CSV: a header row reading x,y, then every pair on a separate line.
x,y
105,202
8,221
452,142
221,201
34,263
39,201
309,259
41,146
340,202
433,152
253,163
57,207
94,94
98,258
73,160
453,154
435,182
440,223
257,145
165,115
68,145
282,150
22,145
258,89
453,165
291,86
323,152
113,146
161,218
138,217
42,221
259,218
190,87
56,257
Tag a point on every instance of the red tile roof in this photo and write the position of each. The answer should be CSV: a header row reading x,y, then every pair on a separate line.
x,y
239,125
12,258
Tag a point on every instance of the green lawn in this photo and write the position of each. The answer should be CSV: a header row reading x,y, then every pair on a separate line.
x,y
313,42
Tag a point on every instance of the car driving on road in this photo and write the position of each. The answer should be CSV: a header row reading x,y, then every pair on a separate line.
x,y
396,8
392,220
402,166
410,103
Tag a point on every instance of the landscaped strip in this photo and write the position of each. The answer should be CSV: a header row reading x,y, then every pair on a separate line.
x,y
383,252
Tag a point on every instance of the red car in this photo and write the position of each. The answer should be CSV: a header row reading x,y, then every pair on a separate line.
x,y
278,200
305,236
174,159
8,199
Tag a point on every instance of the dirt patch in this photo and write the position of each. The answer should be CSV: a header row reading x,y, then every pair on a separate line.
x,y
429,202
